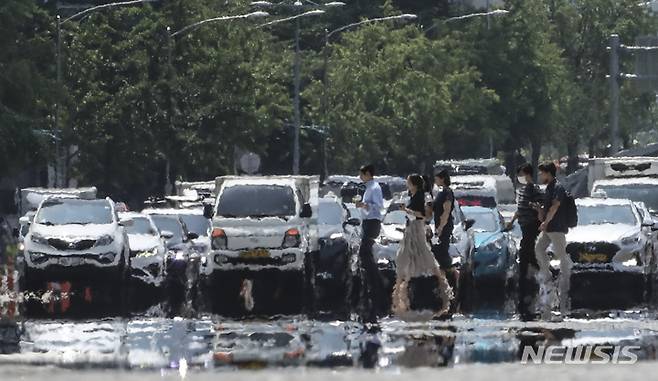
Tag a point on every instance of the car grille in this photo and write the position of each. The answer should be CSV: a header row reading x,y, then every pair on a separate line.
x,y
61,244
592,252
265,261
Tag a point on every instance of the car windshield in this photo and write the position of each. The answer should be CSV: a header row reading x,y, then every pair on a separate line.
x,y
79,212
484,222
196,223
256,201
635,192
606,214
396,217
140,225
171,224
330,213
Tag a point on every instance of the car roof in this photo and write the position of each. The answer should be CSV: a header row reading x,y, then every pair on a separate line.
x,y
593,201
627,181
173,212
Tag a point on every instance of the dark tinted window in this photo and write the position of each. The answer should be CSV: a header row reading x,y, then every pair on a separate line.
x,y
634,192
64,212
140,225
256,201
172,224
196,223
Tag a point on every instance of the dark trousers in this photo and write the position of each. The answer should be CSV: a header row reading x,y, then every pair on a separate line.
x,y
442,250
372,278
527,258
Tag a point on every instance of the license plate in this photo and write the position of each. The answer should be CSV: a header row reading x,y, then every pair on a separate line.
x,y
593,258
257,253
68,261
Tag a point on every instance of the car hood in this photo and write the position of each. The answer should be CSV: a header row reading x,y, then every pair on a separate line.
x,y
142,242
601,233
92,231
325,231
391,232
483,238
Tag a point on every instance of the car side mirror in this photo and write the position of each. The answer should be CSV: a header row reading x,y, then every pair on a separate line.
x,y
208,211
306,212
166,234
192,235
352,222
24,221
468,224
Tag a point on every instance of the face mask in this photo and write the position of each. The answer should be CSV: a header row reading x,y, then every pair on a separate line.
x,y
522,180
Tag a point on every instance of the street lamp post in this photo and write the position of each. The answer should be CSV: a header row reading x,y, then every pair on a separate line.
x,y
297,120
60,176
171,72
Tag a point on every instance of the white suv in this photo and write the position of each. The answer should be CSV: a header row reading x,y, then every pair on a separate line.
x,y
80,241
262,239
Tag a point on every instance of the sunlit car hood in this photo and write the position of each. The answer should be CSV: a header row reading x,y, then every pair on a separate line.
x,y
601,233
142,242
74,230
391,232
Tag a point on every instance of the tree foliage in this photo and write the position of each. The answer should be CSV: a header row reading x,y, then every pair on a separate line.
x,y
531,82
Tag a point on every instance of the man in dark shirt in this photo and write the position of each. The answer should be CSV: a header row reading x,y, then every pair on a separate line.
x,y
527,197
442,207
553,231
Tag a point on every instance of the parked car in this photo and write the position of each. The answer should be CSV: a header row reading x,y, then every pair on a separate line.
x,y
147,249
182,262
264,244
80,242
339,237
483,190
611,251
495,256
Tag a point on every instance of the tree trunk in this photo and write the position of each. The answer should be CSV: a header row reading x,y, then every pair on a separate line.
x,y
572,160
535,144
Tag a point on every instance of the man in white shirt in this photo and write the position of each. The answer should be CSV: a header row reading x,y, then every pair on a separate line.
x,y
372,203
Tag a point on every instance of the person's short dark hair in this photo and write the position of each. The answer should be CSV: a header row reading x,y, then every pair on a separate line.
x,y
417,181
525,169
548,167
444,175
370,169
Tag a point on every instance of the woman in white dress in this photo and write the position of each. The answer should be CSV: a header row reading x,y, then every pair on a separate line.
x,y
414,257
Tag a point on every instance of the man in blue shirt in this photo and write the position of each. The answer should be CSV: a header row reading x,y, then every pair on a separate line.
x,y
372,203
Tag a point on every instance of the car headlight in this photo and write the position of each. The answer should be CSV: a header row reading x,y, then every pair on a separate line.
x,y
218,239
148,253
104,240
631,240
38,238
106,258
292,238
630,263
288,258
38,258
336,236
